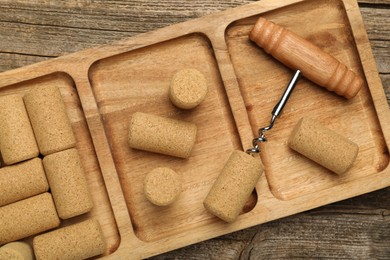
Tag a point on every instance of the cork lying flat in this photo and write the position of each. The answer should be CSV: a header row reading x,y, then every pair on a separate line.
x,y
161,135
235,183
21,181
50,122
78,241
27,217
16,251
322,145
68,184
162,186
17,140
188,88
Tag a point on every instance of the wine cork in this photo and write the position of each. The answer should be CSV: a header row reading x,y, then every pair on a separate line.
x,y
17,141
27,217
322,145
21,181
162,186
50,122
16,251
161,135
188,88
234,185
78,241
68,184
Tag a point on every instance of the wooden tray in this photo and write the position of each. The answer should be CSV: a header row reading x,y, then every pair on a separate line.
x,y
103,86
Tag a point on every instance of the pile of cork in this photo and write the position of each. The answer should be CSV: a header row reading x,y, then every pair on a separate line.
x,y
36,193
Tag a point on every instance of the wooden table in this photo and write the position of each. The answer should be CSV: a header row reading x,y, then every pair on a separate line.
x,y
33,31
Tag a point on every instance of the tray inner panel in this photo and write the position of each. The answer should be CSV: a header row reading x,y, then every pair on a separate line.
x,y
262,80
139,81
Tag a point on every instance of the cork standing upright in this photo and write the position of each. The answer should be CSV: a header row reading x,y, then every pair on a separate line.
x,y
162,186
49,120
188,88
17,141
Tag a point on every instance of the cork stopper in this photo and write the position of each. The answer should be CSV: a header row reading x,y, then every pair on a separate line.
x,y
161,135
162,186
79,241
188,88
16,251
50,122
17,141
234,185
322,145
21,181
27,217
68,184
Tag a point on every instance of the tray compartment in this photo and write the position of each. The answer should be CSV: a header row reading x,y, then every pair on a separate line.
x,y
139,81
102,210
262,80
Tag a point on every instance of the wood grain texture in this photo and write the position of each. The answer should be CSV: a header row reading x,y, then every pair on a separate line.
x,y
315,64
33,31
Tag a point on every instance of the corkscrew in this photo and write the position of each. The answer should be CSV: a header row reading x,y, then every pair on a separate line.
x,y
276,112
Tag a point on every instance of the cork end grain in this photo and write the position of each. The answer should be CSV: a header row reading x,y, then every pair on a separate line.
x,y
188,88
233,186
161,135
17,140
162,186
68,183
79,241
16,250
52,128
323,145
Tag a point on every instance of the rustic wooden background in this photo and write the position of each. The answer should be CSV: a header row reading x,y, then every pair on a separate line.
x,y
37,30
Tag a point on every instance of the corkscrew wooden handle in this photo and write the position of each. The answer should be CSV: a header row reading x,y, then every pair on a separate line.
x,y
300,54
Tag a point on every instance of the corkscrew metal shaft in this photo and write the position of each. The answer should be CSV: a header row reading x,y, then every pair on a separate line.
x,y
276,112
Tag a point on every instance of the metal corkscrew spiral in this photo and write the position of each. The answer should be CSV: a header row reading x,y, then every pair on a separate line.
x,y
276,112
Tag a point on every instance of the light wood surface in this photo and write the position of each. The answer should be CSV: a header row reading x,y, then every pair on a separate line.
x,y
108,83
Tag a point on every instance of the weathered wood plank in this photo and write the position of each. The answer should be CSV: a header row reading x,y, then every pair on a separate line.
x,y
44,40
386,85
124,16
381,53
10,61
377,21
32,33
374,2
54,28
